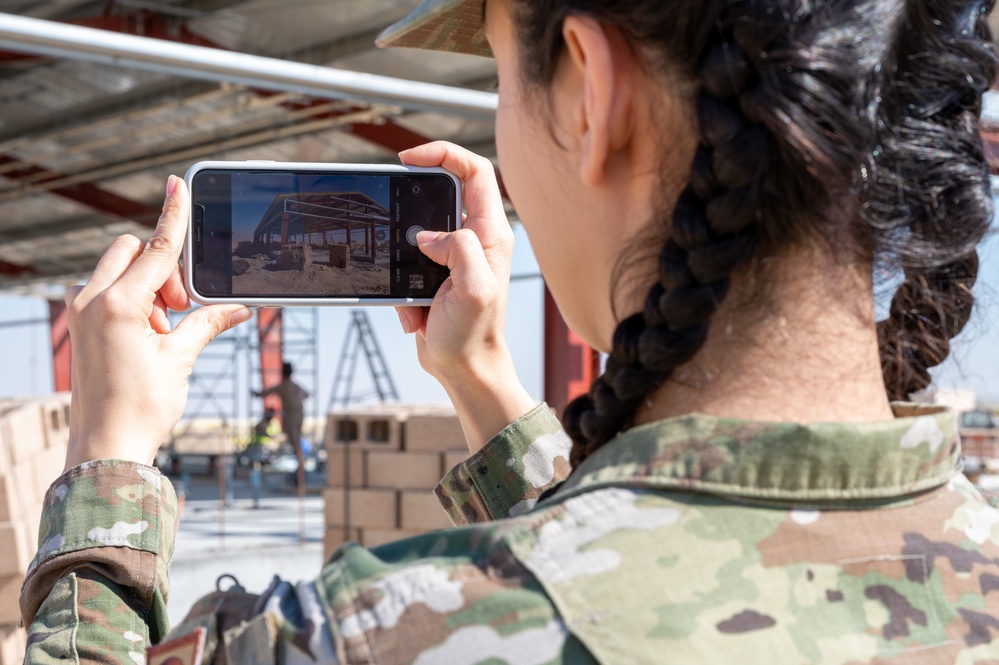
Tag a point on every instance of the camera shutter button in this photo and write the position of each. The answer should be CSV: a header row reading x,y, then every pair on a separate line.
x,y
411,234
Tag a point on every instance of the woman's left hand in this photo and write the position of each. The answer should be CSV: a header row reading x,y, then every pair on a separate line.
x,y
130,371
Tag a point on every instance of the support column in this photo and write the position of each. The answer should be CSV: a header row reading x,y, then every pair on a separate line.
x,y
270,332
570,364
284,228
62,357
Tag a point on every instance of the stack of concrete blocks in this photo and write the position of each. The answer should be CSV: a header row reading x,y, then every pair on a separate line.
x,y
34,433
383,463
296,257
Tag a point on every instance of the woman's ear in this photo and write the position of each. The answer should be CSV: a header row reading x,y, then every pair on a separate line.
x,y
600,102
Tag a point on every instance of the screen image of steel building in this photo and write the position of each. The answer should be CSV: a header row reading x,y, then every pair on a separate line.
x,y
323,243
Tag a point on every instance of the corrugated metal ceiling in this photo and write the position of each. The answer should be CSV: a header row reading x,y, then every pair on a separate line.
x,y
85,146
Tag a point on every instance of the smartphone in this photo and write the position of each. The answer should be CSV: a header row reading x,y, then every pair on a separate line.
x,y
277,234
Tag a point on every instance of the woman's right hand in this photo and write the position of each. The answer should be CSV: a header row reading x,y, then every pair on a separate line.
x,y
460,338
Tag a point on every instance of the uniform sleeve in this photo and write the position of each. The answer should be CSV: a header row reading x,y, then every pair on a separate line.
x,y
510,473
96,591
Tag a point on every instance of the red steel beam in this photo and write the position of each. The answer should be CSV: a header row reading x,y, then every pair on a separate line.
x,y
62,354
270,332
570,364
88,194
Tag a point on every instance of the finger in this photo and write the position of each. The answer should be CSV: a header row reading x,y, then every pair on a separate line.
x,y
116,260
175,293
158,319
158,259
481,190
203,325
462,253
411,318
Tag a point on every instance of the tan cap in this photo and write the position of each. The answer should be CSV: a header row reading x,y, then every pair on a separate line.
x,y
441,25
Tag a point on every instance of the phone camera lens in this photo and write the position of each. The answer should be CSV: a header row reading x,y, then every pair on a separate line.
x,y
416,189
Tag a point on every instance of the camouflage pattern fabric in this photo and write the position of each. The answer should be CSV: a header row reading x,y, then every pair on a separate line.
x,y
692,540
510,473
96,591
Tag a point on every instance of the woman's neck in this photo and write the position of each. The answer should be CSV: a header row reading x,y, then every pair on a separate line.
x,y
809,355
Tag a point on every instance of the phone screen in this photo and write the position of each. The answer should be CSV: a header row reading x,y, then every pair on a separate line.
x,y
265,233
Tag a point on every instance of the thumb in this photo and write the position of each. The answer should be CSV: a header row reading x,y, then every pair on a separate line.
x,y
459,250
204,324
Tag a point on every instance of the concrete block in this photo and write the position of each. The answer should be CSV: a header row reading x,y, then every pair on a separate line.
x,y
4,448
10,591
13,644
307,254
434,432
335,536
453,459
361,508
339,256
25,483
16,551
420,511
345,467
32,522
376,537
25,431
46,466
403,470
377,428
10,502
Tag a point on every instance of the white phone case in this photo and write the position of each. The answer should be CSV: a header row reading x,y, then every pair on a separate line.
x,y
261,165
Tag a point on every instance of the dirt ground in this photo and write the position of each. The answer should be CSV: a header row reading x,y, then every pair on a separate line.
x,y
263,277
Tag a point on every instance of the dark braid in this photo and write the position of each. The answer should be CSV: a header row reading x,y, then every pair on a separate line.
x,y
932,202
819,120
712,233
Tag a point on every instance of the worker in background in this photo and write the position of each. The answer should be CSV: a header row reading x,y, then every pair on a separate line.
x,y
259,449
292,398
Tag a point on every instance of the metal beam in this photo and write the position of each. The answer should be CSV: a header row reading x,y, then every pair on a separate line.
x,y
84,193
570,365
62,354
26,35
146,24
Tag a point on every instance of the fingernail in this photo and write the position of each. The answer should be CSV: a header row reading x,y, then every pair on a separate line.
x,y
171,186
407,323
427,237
240,316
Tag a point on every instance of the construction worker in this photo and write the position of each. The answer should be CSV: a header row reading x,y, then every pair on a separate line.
x,y
292,398
259,449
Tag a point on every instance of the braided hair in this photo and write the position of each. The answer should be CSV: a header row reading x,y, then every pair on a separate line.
x,y
848,122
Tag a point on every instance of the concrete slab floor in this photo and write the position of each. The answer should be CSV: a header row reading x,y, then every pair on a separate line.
x,y
252,544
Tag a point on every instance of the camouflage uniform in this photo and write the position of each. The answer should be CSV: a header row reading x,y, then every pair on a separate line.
x,y
692,540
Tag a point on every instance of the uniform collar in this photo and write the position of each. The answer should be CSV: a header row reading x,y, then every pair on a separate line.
x,y
916,451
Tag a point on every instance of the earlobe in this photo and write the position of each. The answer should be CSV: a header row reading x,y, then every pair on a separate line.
x,y
603,105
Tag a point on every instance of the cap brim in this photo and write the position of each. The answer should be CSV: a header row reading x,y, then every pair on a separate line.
x,y
441,25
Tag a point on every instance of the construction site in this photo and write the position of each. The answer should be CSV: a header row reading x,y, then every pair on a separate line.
x,y
327,243
102,100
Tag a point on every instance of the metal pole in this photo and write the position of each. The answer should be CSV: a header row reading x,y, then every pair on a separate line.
x,y
48,38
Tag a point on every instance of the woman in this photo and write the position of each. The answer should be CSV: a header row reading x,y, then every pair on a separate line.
x,y
709,187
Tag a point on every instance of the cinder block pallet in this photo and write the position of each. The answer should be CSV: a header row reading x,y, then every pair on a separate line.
x,y
434,430
10,591
402,469
378,428
420,511
361,508
335,536
13,643
376,537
